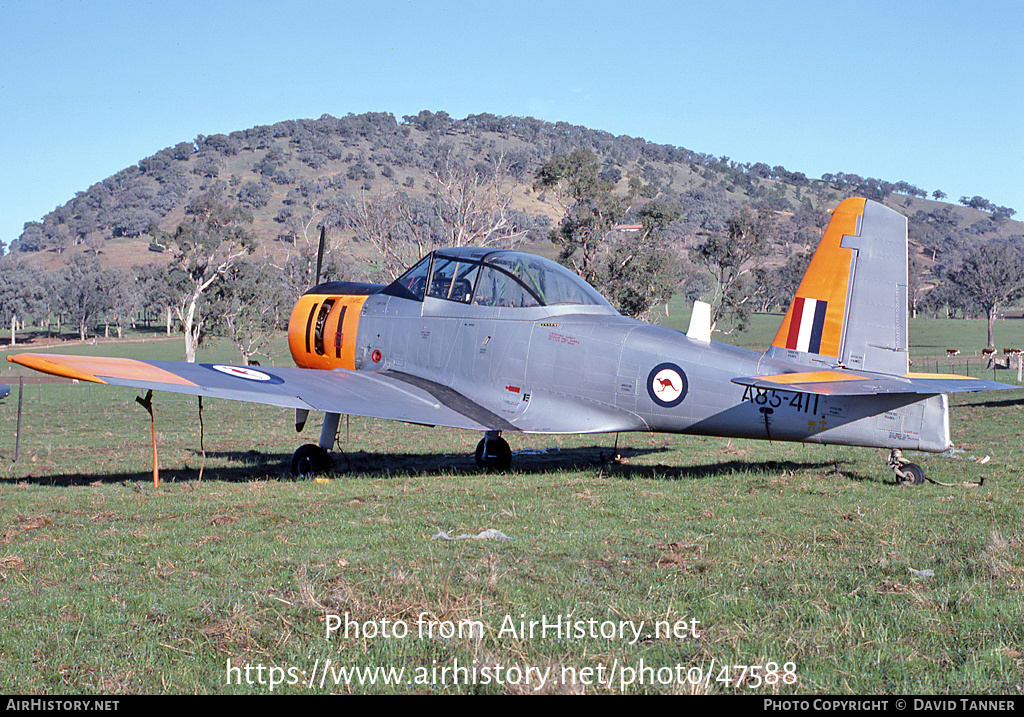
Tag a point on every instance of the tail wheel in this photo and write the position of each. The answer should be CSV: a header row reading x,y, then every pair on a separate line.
x,y
913,474
310,460
907,473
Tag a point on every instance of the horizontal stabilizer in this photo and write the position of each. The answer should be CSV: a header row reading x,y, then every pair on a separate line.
x,y
858,383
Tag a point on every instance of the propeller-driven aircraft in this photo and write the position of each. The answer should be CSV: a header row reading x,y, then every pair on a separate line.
x,y
504,342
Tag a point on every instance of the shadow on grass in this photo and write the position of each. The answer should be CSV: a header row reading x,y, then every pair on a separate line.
x,y
249,466
995,403
731,467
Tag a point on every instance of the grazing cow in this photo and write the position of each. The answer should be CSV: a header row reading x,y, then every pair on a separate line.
x,y
988,352
952,352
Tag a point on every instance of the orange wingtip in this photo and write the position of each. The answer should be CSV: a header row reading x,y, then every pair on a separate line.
x,y
90,368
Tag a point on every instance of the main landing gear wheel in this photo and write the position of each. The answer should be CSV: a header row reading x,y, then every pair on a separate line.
x,y
310,460
493,453
907,473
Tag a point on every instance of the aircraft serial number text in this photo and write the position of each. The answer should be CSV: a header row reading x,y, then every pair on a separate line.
x,y
769,397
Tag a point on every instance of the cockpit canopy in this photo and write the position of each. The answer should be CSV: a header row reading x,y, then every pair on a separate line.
x,y
495,278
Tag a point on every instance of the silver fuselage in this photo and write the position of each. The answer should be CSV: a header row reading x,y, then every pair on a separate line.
x,y
582,370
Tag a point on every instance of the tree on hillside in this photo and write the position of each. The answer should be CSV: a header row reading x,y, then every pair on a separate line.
x,y
22,291
634,267
944,300
468,205
474,202
916,288
304,224
774,288
252,305
731,257
591,209
125,295
298,272
213,238
156,294
642,270
991,275
85,288
394,227
977,202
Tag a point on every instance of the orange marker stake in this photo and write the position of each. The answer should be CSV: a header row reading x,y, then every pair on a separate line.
x,y
147,403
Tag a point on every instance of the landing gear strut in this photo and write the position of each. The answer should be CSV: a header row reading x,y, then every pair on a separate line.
x,y
493,453
907,473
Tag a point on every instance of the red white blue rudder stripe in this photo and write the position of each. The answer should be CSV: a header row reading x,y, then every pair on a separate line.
x,y
807,325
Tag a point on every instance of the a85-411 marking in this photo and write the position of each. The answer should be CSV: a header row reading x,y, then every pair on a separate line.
x,y
799,402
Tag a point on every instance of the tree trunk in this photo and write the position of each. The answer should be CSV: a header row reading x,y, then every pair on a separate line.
x,y
192,325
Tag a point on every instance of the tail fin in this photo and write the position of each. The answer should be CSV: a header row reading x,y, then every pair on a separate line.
x,y
851,307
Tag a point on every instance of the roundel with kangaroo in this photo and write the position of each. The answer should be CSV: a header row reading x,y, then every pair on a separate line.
x,y
666,385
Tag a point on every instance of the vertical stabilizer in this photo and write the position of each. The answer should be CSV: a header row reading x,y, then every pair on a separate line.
x,y
851,307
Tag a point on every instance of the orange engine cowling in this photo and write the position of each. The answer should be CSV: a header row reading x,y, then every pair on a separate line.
x,y
322,330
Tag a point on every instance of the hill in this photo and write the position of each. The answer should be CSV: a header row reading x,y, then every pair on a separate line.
x,y
298,174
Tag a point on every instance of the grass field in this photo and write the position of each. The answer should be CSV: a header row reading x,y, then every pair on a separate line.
x,y
693,566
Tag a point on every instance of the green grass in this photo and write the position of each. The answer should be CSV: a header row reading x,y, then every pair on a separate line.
x,y
793,556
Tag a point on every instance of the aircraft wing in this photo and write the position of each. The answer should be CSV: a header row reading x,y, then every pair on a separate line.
x,y
359,393
860,383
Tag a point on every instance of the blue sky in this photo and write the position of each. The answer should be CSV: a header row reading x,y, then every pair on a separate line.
x,y
928,93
